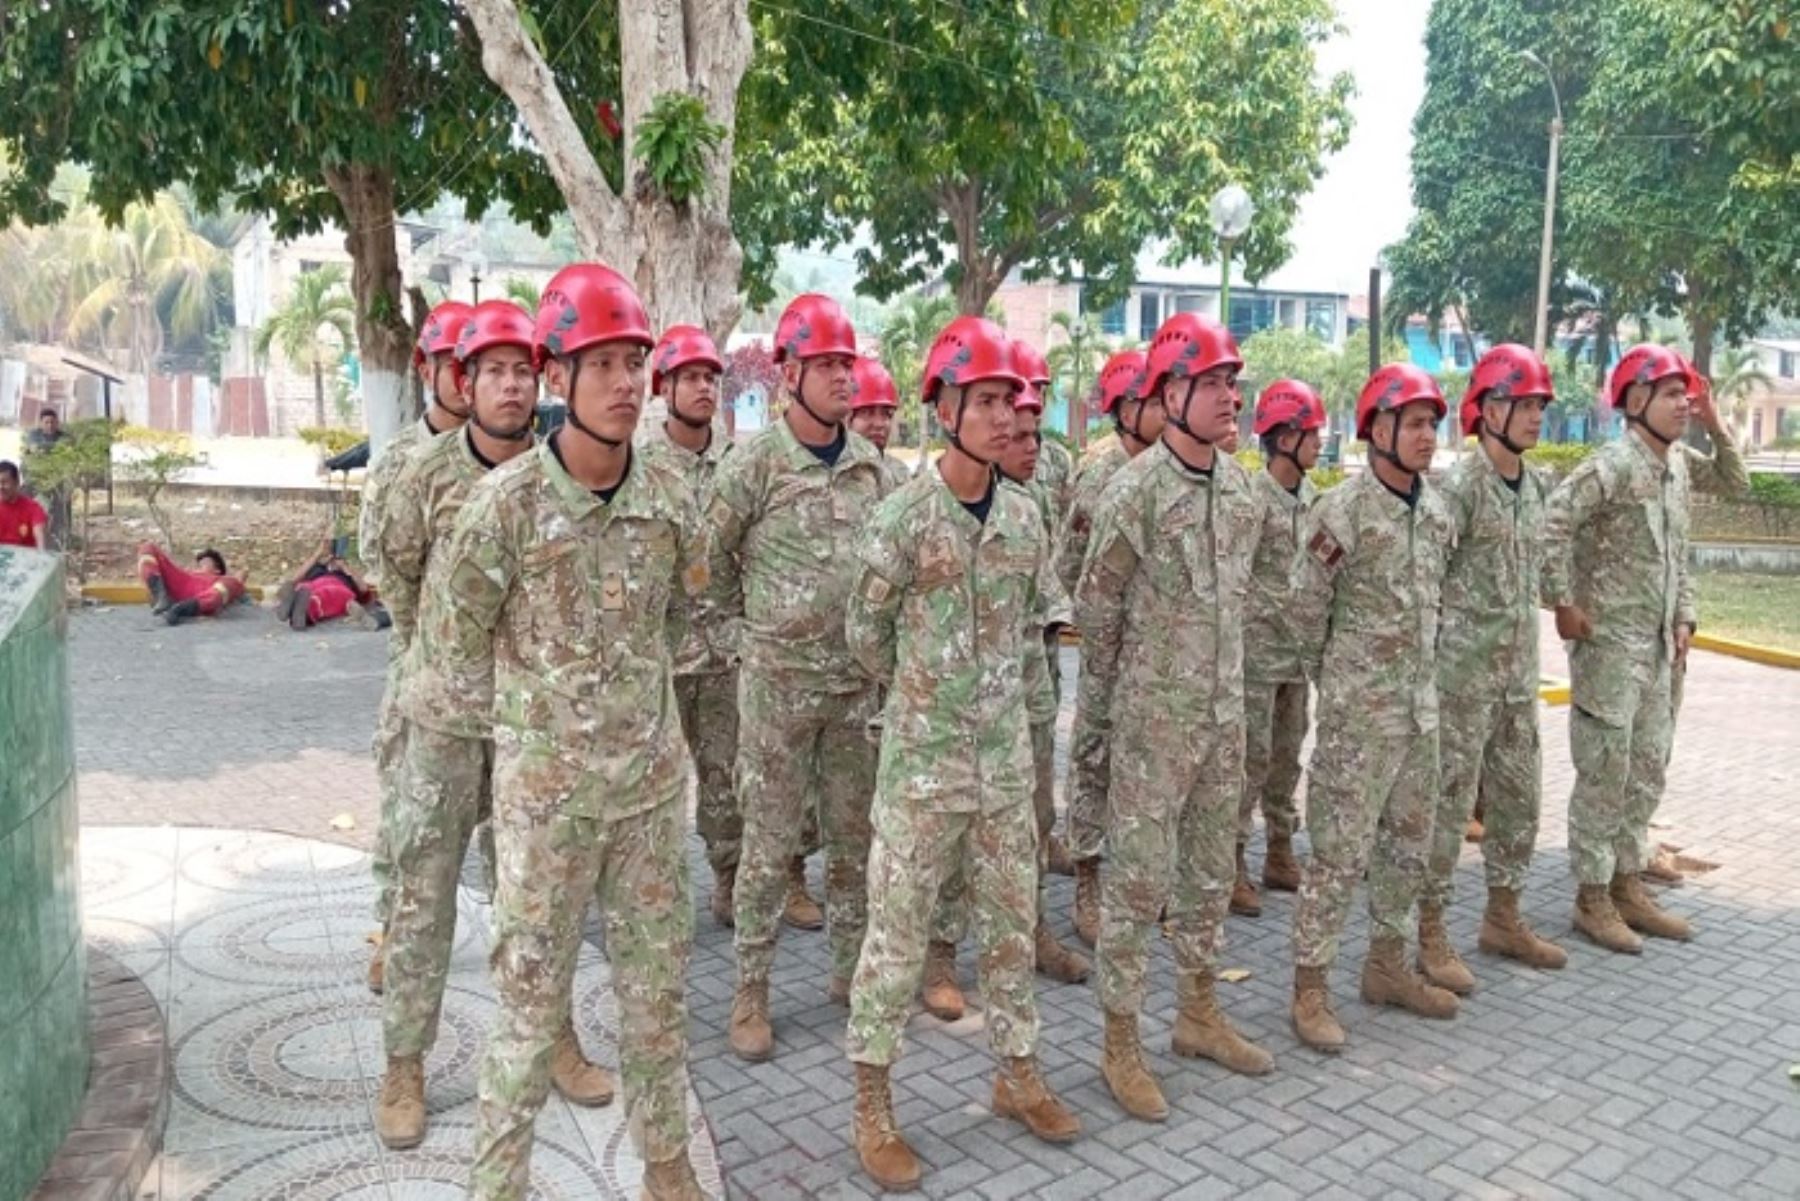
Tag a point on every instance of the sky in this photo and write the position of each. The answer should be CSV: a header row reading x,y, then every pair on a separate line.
x,y
1365,198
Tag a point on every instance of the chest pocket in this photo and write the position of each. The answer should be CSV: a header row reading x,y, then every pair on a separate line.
x,y
637,562
558,619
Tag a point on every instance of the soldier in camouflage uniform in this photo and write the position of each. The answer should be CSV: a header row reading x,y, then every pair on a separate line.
x,y
1161,613
685,369
948,565
1487,651
1138,418
566,588
1289,418
1616,571
445,787
433,359
939,990
872,408
1364,611
784,512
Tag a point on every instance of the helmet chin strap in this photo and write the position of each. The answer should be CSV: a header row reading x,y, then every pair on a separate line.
x,y
1180,421
677,414
800,395
442,401
1289,455
1642,421
1501,435
1130,431
1390,455
954,434
574,418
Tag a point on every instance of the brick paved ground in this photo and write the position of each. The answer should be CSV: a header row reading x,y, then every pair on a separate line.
x,y
1665,1076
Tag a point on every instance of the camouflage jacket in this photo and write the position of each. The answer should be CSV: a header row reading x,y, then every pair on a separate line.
x,y
936,613
376,483
553,615
1056,475
1090,482
783,530
1487,643
1616,545
1364,606
1270,656
427,495
894,473
1161,603
697,655
1053,607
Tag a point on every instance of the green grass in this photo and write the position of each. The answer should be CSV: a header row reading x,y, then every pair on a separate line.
x,y
1754,608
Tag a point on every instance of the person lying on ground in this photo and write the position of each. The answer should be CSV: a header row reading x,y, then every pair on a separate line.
x,y
176,593
325,590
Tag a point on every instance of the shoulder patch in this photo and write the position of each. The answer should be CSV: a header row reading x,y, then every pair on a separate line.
x,y
876,589
1325,550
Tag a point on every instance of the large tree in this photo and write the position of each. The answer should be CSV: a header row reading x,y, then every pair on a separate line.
x,y
306,112
662,215
969,139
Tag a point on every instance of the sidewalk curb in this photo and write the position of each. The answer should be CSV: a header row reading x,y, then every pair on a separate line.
x,y
1553,691
137,594
1756,652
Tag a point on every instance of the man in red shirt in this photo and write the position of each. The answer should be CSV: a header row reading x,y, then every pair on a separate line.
x,y
177,593
22,520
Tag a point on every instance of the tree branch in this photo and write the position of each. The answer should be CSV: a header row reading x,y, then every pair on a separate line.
x,y
512,61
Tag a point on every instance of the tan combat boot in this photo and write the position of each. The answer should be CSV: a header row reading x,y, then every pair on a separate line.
x,y
1202,1030
939,991
1642,913
400,1112
801,911
580,1081
724,896
671,1180
1314,1022
1437,958
1596,917
1122,1067
377,961
1060,862
1244,901
884,1152
1475,830
751,1036
1505,932
1020,1093
1386,980
1056,961
1087,900
1281,871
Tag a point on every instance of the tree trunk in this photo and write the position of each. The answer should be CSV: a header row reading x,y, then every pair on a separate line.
x,y
318,394
365,193
684,259
1702,326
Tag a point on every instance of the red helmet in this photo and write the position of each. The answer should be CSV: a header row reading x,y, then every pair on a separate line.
x,y
1288,402
1646,363
813,325
1028,400
442,325
874,386
679,346
1393,387
966,351
1032,365
1187,345
1697,384
491,323
1122,379
586,304
1507,371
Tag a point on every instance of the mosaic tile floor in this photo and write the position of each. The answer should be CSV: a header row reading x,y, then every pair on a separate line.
x,y
253,945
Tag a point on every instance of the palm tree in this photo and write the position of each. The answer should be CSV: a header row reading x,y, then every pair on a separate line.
x,y
137,283
1075,364
319,302
522,292
1738,375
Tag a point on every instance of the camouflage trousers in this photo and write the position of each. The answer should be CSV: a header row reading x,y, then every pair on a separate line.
x,y
447,788
950,922
1275,723
798,749
1619,773
913,851
1488,749
390,762
709,717
1171,846
1364,789
551,865
1089,769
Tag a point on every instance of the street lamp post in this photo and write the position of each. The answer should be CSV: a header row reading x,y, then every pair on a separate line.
x,y
1231,210
1556,129
476,265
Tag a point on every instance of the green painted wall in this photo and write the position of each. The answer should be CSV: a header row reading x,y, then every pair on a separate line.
x,y
43,970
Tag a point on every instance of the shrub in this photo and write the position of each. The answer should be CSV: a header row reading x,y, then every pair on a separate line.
x,y
329,439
